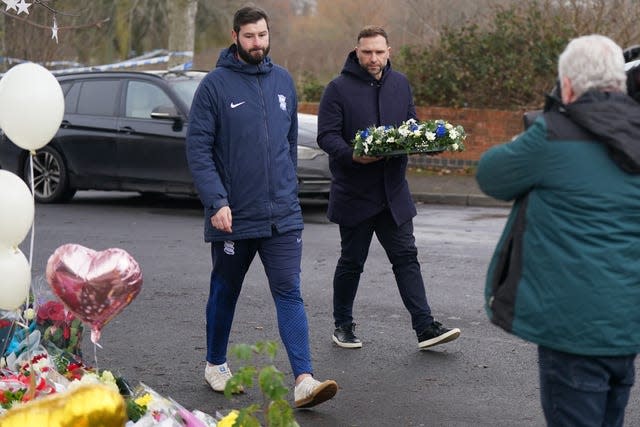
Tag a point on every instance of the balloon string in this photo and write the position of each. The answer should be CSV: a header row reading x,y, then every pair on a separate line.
x,y
95,357
31,390
33,224
32,380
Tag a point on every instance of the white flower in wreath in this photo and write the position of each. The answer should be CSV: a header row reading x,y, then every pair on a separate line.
x,y
448,126
369,140
431,136
404,131
455,147
453,134
391,140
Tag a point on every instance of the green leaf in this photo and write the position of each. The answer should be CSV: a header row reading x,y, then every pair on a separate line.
x,y
134,411
243,351
268,348
271,382
280,414
247,417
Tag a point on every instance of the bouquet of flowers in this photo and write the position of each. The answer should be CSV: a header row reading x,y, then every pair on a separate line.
x,y
411,137
60,327
146,407
31,373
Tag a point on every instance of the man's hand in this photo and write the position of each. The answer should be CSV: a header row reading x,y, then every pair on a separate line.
x,y
222,219
365,159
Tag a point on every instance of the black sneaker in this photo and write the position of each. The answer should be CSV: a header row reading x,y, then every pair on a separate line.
x,y
344,337
436,334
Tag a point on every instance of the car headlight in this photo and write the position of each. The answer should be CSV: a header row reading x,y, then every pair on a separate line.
x,y
308,153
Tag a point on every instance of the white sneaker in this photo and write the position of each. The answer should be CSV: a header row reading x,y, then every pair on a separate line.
x,y
311,392
217,377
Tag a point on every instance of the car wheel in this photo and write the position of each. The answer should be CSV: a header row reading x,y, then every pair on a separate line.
x,y
50,177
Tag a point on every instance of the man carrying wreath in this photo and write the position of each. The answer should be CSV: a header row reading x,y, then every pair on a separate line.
x,y
371,194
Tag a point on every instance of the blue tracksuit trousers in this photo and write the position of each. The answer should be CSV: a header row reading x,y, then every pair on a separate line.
x,y
281,255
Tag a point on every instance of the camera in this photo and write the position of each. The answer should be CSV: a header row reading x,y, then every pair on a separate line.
x,y
553,98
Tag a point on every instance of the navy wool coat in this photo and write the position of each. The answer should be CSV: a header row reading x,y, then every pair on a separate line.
x,y
352,102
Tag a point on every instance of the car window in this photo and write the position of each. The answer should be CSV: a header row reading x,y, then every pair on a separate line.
x,y
98,97
185,89
70,97
143,98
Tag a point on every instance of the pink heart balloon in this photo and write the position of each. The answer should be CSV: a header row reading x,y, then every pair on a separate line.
x,y
95,286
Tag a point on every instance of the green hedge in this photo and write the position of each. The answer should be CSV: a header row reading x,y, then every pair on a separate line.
x,y
510,63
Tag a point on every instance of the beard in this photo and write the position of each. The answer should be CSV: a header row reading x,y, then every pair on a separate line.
x,y
254,56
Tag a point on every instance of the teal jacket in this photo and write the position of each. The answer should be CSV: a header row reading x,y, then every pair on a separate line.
x,y
566,271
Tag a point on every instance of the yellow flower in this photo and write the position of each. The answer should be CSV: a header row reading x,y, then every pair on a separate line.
x,y
144,400
107,377
228,420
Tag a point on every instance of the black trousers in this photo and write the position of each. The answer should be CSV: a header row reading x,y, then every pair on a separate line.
x,y
399,245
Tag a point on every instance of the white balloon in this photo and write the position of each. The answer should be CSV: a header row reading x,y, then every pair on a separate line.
x,y
15,278
17,212
31,105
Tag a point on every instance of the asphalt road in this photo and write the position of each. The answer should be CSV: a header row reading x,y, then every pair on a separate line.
x,y
485,378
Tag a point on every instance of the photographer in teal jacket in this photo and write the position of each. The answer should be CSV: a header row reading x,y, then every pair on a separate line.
x,y
566,272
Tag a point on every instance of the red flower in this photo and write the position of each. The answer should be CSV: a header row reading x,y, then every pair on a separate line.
x,y
74,371
52,311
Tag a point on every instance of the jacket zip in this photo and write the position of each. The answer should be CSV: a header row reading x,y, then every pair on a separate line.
x,y
268,147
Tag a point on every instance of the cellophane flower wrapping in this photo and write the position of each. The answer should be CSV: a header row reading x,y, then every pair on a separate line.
x,y
44,358
411,137
146,407
35,376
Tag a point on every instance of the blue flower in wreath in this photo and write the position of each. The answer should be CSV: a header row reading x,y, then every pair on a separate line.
x,y
440,130
413,127
364,134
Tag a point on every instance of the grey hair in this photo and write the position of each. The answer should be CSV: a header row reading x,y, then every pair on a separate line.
x,y
593,62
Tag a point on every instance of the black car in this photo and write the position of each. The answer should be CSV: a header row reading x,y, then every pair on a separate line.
x,y
126,131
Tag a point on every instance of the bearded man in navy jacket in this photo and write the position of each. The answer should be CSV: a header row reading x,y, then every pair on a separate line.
x,y
371,194
242,125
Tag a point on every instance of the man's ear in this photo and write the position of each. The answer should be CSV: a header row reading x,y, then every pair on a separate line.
x,y
566,89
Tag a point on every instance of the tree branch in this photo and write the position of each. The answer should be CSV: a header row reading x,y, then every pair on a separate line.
x,y
97,24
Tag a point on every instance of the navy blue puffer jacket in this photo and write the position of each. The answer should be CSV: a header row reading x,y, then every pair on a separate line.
x,y
241,147
351,102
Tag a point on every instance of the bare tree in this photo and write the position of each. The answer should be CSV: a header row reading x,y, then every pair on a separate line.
x,y
182,21
32,34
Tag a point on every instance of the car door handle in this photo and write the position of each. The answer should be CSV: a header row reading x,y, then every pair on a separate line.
x,y
126,129
65,124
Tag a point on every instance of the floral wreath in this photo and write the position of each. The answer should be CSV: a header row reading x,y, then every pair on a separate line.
x,y
411,137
